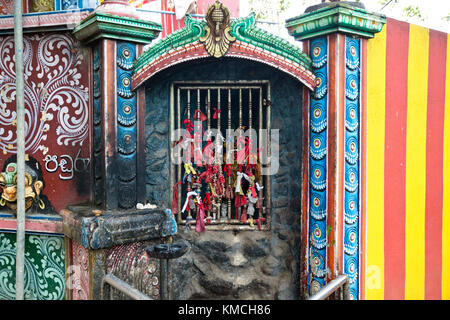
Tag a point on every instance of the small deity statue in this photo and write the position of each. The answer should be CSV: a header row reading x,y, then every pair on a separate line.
x,y
35,201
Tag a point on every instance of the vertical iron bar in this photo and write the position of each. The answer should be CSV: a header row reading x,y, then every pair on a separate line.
x,y
239,209
20,110
189,104
229,147
218,160
198,130
268,187
111,292
179,166
208,109
171,143
240,111
163,279
189,188
208,127
250,112
198,103
260,116
218,124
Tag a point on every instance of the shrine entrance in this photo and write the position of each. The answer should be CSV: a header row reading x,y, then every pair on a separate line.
x,y
241,215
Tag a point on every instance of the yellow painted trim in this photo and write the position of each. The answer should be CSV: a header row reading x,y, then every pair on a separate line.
x,y
375,166
416,150
446,191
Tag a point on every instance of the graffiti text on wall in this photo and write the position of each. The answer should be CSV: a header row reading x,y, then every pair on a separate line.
x,y
66,164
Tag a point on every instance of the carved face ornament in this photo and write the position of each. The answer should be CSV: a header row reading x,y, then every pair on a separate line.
x,y
8,188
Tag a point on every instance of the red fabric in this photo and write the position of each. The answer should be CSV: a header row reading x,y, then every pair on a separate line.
x,y
229,192
200,223
208,154
240,201
228,169
244,215
198,115
175,208
215,113
259,221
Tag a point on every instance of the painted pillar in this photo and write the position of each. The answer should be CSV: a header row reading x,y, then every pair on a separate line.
x,y
116,35
335,36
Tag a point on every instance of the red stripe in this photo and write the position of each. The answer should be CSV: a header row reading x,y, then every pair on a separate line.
x,y
395,157
434,164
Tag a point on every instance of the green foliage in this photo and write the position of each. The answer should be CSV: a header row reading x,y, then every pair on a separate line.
x,y
413,11
409,11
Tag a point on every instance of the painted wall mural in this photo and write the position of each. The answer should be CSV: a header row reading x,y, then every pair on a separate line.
x,y
317,238
56,111
44,267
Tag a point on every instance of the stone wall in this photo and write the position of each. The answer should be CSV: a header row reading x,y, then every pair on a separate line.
x,y
234,264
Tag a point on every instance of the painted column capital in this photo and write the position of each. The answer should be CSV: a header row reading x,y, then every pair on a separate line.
x,y
118,20
330,17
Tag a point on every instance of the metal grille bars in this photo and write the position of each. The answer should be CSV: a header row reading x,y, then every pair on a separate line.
x,y
228,105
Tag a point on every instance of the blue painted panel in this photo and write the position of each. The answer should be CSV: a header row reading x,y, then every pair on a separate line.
x,y
317,167
352,157
318,114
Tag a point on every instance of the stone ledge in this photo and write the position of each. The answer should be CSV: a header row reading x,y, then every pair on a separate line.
x,y
113,227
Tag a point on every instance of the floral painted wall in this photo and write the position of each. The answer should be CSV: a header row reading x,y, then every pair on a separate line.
x,y
57,117
44,267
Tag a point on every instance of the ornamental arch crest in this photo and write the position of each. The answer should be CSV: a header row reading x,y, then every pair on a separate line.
x,y
219,37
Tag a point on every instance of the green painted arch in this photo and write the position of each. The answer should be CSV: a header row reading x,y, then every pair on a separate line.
x,y
245,31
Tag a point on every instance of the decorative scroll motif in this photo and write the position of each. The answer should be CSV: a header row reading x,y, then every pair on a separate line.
x,y
126,126
43,5
44,267
55,100
69,4
351,167
218,38
97,132
7,7
318,168
193,30
78,273
130,263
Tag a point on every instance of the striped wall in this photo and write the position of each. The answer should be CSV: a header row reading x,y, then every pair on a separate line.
x,y
406,252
